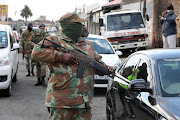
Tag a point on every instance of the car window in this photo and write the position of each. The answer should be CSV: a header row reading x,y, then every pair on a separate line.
x,y
101,45
129,69
144,72
12,39
169,70
3,39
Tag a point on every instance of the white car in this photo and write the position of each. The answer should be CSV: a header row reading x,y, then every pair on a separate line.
x,y
24,28
36,28
8,59
16,36
109,57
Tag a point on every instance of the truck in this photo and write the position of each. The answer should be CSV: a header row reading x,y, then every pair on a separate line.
x,y
125,29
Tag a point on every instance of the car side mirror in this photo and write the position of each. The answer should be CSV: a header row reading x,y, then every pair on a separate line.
x,y
139,85
119,53
101,22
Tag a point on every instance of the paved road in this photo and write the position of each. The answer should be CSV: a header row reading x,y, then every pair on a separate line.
x,y
27,100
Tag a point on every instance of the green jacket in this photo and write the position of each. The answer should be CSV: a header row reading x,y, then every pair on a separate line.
x,y
130,77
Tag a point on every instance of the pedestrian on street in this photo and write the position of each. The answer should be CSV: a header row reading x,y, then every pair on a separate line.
x,y
169,31
68,96
25,48
178,27
40,67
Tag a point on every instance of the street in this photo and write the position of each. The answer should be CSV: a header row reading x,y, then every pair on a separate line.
x,y
27,100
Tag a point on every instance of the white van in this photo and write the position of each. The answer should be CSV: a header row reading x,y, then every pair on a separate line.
x,y
8,59
109,57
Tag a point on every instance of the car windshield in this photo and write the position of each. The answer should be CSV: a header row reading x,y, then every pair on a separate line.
x,y
3,39
124,21
169,70
101,45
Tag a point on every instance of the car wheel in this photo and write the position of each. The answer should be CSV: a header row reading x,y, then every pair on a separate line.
x,y
14,79
7,92
109,109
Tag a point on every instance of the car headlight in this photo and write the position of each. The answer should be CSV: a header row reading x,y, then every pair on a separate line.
x,y
4,61
117,64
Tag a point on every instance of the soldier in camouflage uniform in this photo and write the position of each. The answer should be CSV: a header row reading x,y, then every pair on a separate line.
x,y
40,67
26,48
68,97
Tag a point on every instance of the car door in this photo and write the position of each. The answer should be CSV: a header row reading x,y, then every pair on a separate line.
x,y
129,104
13,52
143,102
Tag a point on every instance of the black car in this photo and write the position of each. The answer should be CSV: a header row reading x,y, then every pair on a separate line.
x,y
146,87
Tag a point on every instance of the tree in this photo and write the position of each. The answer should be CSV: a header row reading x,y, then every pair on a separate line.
x,y
42,17
26,12
10,19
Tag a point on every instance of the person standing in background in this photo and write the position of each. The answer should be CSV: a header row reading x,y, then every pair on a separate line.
x,y
26,49
40,67
169,30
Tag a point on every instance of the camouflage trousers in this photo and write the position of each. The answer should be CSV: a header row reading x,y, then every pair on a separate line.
x,y
30,63
70,113
40,69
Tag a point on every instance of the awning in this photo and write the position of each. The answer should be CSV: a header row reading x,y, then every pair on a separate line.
x,y
112,3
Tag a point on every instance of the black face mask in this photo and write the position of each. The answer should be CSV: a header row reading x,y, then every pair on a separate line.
x,y
73,30
30,29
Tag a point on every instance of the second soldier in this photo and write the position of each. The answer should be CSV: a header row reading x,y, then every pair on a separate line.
x,y
40,67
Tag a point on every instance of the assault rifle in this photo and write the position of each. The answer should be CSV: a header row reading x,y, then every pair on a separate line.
x,y
83,58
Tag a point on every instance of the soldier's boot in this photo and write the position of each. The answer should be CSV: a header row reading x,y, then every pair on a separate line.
x,y
38,82
43,82
32,71
28,73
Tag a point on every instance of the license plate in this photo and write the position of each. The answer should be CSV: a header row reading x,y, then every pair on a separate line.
x,y
101,77
129,45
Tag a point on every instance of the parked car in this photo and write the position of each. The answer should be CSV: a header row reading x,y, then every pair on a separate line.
x,y
36,28
52,29
23,28
109,57
8,59
16,36
151,90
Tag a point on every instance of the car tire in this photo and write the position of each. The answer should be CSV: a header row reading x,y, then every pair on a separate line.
x,y
110,114
14,79
7,92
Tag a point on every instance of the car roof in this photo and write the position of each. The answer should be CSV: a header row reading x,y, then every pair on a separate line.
x,y
95,36
161,53
4,27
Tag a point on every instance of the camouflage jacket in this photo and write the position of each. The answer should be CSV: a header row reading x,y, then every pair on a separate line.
x,y
25,41
64,89
37,37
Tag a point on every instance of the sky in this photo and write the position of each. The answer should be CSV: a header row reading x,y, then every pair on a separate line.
x,y
52,9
